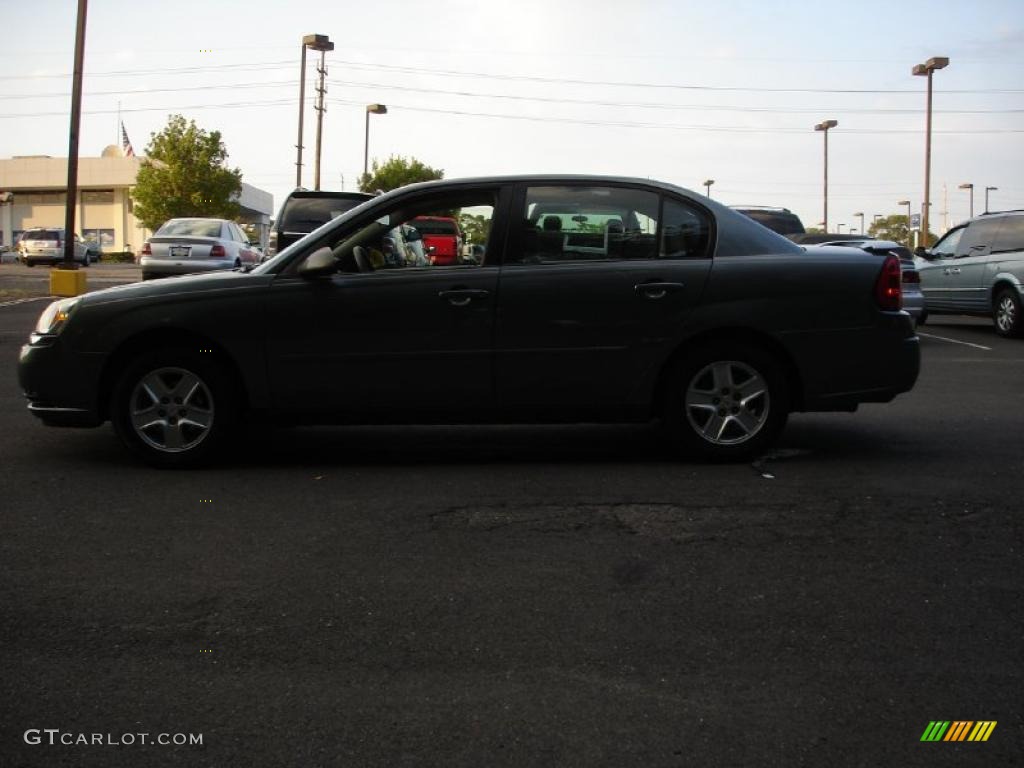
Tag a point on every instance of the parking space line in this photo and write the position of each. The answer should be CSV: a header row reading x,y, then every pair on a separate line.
x,y
954,341
15,302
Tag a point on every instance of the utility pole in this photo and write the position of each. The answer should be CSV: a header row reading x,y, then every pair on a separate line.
x,y
320,109
76,120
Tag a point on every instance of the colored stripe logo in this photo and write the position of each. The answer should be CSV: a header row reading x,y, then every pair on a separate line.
x,y
958,730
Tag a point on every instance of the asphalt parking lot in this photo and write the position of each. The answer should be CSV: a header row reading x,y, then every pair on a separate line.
x,y
525,596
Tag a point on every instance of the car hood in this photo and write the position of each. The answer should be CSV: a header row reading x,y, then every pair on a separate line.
x,y
183,286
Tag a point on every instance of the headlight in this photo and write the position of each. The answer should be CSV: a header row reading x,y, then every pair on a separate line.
x,y
55,317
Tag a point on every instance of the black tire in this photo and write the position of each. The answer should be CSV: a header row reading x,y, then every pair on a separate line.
x,y
1006,313
187,430
698,403
29,263
923,318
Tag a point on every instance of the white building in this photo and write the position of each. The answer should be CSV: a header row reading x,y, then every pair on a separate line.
x,y
38,187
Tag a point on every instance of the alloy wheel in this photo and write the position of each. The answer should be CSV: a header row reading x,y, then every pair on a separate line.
x,y
171,410
727,402
1006,314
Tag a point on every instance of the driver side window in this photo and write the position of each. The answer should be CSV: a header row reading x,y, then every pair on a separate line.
x,y
440,231
946,247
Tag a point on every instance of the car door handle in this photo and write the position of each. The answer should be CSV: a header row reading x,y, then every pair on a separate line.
x,y
657,290
460,297
951,271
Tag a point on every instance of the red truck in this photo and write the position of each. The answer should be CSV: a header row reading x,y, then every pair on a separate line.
x,y
441,239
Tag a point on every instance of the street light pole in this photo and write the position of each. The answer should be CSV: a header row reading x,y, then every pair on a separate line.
x,y
987,190
317,43
861,222
926,70
970,187
910,234
371,109
707,185
824,127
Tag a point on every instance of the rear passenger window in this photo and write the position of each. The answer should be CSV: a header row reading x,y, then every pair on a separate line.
x,y
586,223
1010,236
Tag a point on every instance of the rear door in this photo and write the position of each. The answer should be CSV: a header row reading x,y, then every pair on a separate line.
x,y
596,281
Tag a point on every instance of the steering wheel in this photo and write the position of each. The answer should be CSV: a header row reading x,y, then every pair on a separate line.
x,y
362,260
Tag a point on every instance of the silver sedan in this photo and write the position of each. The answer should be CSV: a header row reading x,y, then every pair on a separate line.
x,y
185,246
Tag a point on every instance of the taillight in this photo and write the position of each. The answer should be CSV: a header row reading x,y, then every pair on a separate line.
x,y
911,276
218,252
146,250
888,289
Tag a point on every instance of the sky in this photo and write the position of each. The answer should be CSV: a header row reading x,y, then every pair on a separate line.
x,y
677,91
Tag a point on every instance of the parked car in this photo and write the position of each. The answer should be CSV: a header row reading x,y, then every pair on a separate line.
x,y
45,245
441,238
92,249
677,308
978,269
913,299
819,238
305,210
185,246
781,220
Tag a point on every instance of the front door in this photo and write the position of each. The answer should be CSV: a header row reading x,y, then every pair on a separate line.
x,y
386,335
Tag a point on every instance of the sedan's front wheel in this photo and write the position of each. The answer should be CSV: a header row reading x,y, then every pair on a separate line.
x,y
726,402
174,408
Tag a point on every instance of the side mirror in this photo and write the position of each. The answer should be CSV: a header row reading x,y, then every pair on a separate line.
x,y
320,263
922,252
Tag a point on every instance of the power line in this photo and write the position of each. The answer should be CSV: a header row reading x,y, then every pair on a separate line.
x,y
541,99
630,124
252,66
652,105
500,116
606,83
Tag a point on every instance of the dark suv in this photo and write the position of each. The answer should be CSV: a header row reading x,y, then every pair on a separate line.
x,y
781,220
978,269
304,210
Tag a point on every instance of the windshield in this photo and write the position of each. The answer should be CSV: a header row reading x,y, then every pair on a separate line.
x,y
42,234
191,227
435,226
304,214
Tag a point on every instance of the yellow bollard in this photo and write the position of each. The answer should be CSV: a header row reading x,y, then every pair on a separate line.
x,y
67,282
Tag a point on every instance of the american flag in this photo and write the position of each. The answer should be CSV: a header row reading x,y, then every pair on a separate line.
x,y
126,145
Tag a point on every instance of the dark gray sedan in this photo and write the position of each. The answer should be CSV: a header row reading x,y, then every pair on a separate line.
x,y
595,299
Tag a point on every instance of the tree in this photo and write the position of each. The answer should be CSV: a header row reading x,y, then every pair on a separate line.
x,y
475,228
397,172
895,228
185,174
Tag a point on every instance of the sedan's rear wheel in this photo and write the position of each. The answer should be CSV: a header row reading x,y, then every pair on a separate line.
x,y
174,408
1007,313
726,402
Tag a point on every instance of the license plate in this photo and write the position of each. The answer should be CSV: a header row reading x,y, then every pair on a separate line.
x,y
180,251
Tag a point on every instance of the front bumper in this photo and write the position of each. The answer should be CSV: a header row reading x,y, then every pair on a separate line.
x,y
62,387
